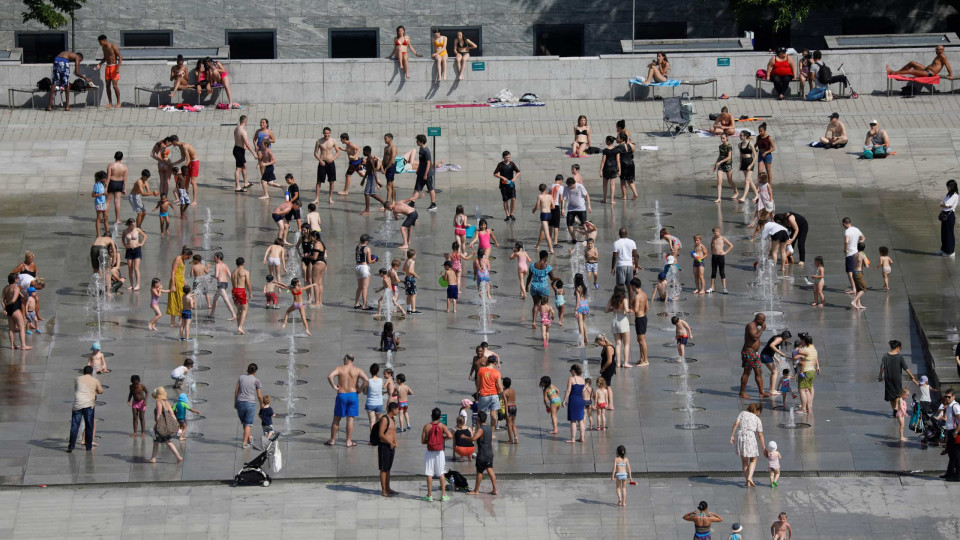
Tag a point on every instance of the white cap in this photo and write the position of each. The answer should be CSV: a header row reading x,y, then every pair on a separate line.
x,y
923,379
771,446
874,122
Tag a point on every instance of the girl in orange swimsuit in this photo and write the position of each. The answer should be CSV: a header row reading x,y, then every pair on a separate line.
x,y
400,45
440,54
297,293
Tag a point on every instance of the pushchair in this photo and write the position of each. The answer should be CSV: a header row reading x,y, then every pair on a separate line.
x,y
678,113
923,423
253,473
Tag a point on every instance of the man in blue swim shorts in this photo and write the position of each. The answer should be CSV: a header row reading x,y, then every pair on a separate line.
x,y
344,380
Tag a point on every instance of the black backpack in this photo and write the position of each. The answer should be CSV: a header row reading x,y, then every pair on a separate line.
x,y
375,430
457,479
44,84
78,85
824,75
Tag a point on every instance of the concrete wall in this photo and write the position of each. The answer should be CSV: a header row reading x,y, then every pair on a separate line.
x,y
303,25
605,77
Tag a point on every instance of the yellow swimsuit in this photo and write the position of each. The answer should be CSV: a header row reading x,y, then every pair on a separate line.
x,y
439,46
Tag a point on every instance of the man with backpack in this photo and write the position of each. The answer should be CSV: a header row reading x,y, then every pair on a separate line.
x,y
384,435
822,77
434,435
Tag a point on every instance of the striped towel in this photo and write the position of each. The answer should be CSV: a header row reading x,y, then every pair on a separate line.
x,y
669,82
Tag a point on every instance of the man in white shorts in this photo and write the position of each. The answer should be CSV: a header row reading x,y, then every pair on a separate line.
x,y
435,435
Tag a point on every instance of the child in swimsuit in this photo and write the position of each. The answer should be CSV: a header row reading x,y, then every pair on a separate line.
x,y
818,297
156,289
484,236
460,225
403,392
589,410
164,207
551,400
558,299
33,324
523,266
297,291
456,260
137,400
546,315
601,397
621,473
481,271
884,263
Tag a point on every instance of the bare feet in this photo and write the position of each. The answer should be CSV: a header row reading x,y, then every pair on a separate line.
x,y
152,460
744,396
716,200
265,197
642,364
627,365
343,193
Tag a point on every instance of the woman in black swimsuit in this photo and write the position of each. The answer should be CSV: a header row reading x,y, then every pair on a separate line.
x,y
13,306
318,267
28,266
581,137
306,259
627,168
799,228
609,168
462,46
748,162
608,359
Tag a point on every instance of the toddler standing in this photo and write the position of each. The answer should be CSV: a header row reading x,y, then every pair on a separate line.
x,y
818,298
622,473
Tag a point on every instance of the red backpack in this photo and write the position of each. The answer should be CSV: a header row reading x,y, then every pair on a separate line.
x,y
435,438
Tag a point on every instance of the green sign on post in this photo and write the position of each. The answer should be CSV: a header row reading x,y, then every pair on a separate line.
x,y
443,419
433,131
723,62
478,66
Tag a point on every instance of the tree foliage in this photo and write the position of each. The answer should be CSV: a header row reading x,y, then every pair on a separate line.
x,y
51,13
784,12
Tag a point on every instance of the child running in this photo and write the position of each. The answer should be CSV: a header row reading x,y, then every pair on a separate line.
x,y
297,291
484,236
460,225
551,401
481,272
198,271
523,266
137,400
622,474
546,316
785,387
683,334
884,264
403,393
410,281
270,288
180,409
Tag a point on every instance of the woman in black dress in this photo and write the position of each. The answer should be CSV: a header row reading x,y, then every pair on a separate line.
x,y
609,168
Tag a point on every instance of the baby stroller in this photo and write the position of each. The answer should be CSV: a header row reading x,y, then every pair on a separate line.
x,y
253,473
678,114
923,423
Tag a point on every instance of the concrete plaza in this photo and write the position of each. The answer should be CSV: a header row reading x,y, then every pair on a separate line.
x,y
47,209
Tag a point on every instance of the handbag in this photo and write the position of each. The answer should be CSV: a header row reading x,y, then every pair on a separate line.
x,y
943,215
166,425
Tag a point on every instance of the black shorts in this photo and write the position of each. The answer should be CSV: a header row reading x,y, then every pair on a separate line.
x,y
133,253
483,464
849,263
326,172
411,219
354,166
424,183
385,457
576,215
293,214
240,156
268,175
555,217
641,324
390,172
115,186
780,236
508,192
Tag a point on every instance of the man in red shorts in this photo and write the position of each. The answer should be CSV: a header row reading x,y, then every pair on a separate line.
x,y
111,75
188,154
750,354
241,286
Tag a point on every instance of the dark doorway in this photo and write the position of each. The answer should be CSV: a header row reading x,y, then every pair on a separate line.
x,y
559,40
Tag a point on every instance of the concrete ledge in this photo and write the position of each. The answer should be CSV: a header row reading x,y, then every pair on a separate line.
x,y
552,78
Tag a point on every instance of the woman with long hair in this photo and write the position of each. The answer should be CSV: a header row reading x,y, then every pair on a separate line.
x,y
620,325
400,45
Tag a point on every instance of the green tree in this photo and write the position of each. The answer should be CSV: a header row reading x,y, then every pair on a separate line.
x,y
53,13
784,12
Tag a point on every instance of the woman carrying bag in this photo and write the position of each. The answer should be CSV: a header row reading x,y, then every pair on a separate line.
x,y
166,425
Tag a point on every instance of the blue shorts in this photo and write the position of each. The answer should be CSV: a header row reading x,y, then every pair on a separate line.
x,y
453,292
186,314
767,158
374,408
347,405
390,172
246,410
849,263
766,359
488,403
